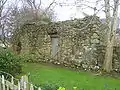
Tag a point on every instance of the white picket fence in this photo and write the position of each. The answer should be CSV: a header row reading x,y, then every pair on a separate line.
x,y
8,82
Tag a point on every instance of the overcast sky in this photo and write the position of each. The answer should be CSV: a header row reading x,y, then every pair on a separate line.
x,y
66,12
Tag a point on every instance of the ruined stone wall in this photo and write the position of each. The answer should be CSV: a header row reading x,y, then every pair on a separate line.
x,y
81,43
78,41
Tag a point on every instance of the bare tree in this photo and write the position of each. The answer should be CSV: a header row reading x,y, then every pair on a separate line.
x,y
3,16
36,9
111,22
112,27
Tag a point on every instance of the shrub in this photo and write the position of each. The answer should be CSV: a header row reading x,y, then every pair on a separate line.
x,y
10,62
48,86
61,88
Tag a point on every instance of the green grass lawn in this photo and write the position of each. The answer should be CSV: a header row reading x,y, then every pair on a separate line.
x,y
44,73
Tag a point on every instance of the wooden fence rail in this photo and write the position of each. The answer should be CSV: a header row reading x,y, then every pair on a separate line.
x,y
8,82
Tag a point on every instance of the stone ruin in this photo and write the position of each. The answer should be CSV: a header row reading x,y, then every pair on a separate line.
x,y
78,43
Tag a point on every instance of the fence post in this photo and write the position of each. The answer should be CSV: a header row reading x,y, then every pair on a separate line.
x,y
31,87
39,88
18,85
24,85
12,82
0,83
3,83
21,82
26,81
7,87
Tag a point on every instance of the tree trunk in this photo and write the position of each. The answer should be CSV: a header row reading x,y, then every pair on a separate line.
x,y
112,27
108,57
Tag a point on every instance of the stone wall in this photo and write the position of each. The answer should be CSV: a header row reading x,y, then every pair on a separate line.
x,y
81,43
